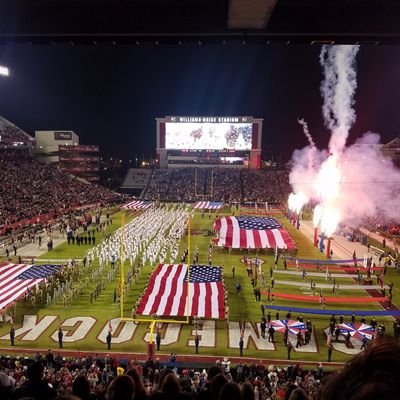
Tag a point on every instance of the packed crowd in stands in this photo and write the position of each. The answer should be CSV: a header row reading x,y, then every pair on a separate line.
x,y
92,377
30,188
227,186
370,374
182,185
282,179
380,223
388,229
191,184
260,186
159,184
11,134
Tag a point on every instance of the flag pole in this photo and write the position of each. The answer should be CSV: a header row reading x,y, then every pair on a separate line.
x,y
188,273
153,324
195,183
150,345
212,184
122,264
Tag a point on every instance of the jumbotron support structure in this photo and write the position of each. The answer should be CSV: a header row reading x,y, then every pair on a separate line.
x,y
209,141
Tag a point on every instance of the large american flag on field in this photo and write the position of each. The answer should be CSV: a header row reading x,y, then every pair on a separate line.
x,y
246,232
208,205
137,205
15,279
167,292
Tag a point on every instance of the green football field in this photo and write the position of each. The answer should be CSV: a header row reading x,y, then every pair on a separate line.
x,y
242,307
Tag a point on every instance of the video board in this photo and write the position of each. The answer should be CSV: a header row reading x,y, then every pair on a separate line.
x,y
208,136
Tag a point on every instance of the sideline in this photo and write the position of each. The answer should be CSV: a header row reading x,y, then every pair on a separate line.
x,y
182,358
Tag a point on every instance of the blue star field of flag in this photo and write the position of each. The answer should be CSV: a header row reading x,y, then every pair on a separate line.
x,y
203,274
258,223
215,204
39,271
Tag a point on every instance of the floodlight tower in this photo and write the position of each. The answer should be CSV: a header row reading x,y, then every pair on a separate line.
x,y
4,71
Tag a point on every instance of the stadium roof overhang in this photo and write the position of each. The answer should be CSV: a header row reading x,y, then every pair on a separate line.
x,y
393,143
195,22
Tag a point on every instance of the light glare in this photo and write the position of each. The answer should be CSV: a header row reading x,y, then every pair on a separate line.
x,y
4,71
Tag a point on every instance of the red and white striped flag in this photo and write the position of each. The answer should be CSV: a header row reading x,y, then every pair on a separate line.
x,y
137,205
168,292
16,279
208,205
252,233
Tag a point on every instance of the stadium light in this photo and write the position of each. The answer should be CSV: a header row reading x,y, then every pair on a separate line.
x,y
4,71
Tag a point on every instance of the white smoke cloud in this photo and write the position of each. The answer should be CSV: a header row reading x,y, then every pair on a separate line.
x,y
350,182
369,181
304,174
306,131
337,89
313,147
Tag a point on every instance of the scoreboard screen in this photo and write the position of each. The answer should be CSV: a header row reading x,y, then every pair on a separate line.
x,y
208,136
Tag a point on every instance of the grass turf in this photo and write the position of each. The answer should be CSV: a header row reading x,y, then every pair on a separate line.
x,y
243,307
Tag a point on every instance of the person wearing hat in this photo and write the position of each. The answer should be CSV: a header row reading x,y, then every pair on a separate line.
x,y
12,335
158,340
241,345
120,370
226,364
108,338
196,343
60,337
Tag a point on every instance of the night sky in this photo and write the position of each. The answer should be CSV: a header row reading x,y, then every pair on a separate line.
x,y
111,95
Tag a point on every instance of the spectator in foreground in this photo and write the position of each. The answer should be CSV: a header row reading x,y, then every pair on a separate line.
x,y
35,386
230,391
6,386
81,388
171,389
247,391
213,371
121,388
372,374
298,394
140,391
216,385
